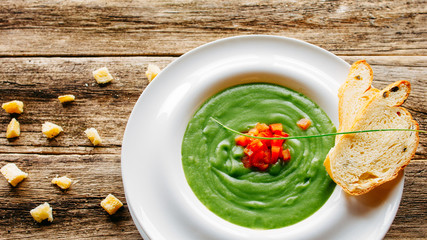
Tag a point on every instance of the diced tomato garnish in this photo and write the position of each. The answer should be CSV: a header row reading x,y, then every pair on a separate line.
x,y
304,123
286,155
253,132
246,162
261,153
282,134
276,128
242,141
256,145
263,167
265,134
262,127
277,142
248,152
258,161
275,153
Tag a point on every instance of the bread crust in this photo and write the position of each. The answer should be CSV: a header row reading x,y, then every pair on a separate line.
x,y
354,93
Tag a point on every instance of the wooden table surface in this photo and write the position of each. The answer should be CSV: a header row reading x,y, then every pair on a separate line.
x,y
49,48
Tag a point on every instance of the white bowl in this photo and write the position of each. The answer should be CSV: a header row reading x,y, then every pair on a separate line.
x,y
161,202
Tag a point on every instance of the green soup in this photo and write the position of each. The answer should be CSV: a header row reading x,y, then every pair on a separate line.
x,y
284,194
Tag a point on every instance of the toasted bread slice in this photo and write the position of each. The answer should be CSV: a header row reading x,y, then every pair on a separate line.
x,y
354,93
360,162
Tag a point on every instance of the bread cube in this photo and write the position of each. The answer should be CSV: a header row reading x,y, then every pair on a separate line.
x,y
62,182
13,174
111,204
42,212
51,130
93,136
102,75
13,129
66,98
14,106
152,72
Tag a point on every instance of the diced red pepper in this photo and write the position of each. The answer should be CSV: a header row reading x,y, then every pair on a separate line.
x,y
248,152
242,141
261,153
267,157
265,141
282,134
276,128
263,167
258,161
304,123
277,142
253,132
262,127
275,153
286,155
246,162
256,145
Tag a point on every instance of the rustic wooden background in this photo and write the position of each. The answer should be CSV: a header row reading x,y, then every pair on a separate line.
x,y
49,48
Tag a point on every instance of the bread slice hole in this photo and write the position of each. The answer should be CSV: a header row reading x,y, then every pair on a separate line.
x,y
394,89
367,176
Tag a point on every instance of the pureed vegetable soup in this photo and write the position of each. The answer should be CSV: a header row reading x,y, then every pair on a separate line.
x,y
285,193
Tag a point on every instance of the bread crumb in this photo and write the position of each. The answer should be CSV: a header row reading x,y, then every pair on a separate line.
x,y
51,130
111,204
62,182
14,106
102,75
42,212
13,129
66,98
93,136
13,174
152,72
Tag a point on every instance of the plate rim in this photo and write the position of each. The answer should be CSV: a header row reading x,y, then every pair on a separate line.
x,y
183,58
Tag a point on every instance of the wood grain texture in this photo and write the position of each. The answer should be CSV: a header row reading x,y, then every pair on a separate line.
x,y
49,48
38,82
151,27
77,214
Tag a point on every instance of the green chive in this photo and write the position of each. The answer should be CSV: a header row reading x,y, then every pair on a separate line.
x,y
320,135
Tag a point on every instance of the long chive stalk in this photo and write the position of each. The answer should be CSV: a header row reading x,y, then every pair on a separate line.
x,y
319,135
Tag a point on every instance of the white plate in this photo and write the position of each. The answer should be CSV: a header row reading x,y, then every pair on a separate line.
x,y
162,204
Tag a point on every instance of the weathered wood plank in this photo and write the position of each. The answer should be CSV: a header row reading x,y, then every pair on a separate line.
x,y
411,218
77,213
151,27
38,82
